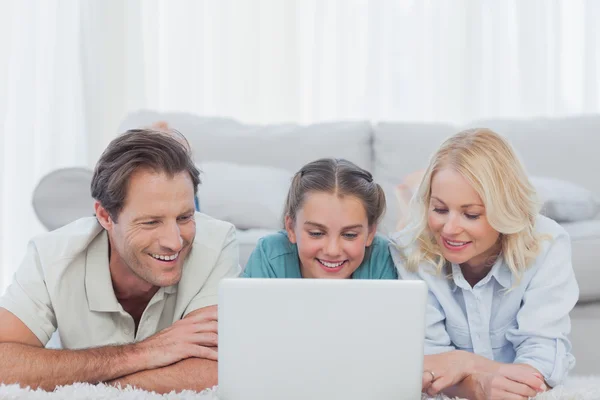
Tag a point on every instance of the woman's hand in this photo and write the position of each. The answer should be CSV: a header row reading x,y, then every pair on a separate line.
x,y
523,374
446,369
490,386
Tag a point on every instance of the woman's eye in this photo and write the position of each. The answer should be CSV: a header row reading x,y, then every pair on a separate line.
x,y
440,210
315,234
472,216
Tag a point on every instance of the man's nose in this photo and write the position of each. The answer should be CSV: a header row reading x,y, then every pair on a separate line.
x,y
171,237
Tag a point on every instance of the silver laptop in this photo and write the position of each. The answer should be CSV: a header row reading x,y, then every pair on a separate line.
x,y
320,339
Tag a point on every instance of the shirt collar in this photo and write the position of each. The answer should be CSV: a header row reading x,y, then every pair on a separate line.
x,y
499,272
98,283
502,273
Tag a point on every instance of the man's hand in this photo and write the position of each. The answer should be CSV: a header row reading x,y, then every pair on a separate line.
x,y
193,336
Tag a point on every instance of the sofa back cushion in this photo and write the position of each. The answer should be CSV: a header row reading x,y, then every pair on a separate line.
x,y
563,148
287,146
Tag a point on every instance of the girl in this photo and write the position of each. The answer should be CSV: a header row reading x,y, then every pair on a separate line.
x,y
500,275
330,219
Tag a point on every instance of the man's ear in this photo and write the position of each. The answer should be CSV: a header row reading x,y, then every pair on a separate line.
x,y
289,227
103,216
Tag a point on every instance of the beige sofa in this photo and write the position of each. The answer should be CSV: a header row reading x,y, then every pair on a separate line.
x,y
247,170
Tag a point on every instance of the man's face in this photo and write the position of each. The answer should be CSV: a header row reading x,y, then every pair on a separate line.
x,y
156,227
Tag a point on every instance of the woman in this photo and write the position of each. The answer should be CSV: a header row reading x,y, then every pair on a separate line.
x,y
500,275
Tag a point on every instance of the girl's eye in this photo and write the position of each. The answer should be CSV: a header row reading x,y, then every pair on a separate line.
x,y
350,235
315,234
472,216
440,210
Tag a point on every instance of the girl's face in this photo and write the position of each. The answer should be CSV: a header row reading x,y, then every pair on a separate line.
x,y
458,221
332,234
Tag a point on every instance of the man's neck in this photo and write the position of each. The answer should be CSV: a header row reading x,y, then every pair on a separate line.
x,y
131,291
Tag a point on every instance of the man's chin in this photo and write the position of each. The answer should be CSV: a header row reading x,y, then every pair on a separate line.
x,y
165,281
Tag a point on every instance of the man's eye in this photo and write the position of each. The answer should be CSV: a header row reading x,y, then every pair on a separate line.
x,y
150,223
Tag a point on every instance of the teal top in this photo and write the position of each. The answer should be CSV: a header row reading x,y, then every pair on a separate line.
x,y
276,257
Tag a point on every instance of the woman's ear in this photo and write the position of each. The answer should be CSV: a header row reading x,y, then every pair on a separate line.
x,y
289,227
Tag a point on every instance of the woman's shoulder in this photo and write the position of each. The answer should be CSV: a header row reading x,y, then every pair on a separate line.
x,y
549,227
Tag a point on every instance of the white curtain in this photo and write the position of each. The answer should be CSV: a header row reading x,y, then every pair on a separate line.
x,y
70,71
41,112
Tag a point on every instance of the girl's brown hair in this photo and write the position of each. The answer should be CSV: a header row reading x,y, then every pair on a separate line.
x,y
340,177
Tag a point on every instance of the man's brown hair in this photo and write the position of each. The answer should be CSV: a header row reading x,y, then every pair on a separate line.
x,y
135,149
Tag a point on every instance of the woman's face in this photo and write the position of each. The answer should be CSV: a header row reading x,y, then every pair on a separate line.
x,y
457,219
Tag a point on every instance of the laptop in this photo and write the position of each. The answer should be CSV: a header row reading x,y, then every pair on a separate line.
x,y
320,339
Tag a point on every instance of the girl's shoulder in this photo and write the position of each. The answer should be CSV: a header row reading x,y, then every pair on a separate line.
x,y
276,245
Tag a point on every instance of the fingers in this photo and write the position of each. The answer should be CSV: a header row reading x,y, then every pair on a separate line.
x,y
204,314
204,352
207,339
207,326
426,381
526,377
440,384
516,388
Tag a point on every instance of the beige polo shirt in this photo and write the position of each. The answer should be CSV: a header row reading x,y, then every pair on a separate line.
x,y
64,283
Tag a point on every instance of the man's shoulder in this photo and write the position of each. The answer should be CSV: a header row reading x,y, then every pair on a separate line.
x,y
211,232
67,242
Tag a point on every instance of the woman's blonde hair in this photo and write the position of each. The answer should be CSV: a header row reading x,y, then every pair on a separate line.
x,y
488,162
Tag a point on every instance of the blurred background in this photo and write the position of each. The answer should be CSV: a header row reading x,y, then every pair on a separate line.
x,y
70,71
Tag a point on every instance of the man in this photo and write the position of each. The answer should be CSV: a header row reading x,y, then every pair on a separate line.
x,y
131,291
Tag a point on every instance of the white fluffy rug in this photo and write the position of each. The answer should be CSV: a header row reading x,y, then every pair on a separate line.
x,y
576,388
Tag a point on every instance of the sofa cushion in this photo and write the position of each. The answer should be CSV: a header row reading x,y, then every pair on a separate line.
x,y
563,148
248,196
287,146
585,241
565,201
62,196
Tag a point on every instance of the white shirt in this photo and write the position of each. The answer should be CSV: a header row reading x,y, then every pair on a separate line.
x,y
64,283
528,323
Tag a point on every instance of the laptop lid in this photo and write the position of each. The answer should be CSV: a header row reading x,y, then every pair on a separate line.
x,y
321,339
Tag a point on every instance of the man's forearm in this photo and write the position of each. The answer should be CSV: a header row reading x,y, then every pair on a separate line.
x,y
46,369
193,374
